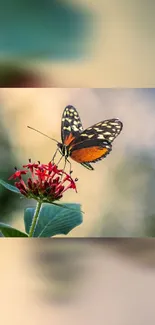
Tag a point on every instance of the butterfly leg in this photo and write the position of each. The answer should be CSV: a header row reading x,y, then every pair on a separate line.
x,y
70,169
64,164
66,160
59,160
54,155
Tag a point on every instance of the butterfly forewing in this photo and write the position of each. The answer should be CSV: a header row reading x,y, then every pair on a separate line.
x,y
71,125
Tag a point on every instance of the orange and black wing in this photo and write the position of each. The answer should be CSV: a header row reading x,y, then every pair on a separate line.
x,y
71,127
94,143
90,151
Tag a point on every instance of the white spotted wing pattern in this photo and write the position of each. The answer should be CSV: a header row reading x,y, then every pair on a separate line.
x,y
89,145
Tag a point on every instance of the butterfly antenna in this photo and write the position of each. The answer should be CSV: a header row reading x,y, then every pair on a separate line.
x,y
42,133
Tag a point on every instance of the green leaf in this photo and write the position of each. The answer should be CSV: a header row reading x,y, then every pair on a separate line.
x,y
10,187
54,220
8,231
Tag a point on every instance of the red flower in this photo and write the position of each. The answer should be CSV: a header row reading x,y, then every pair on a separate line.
x,y
31,166
47,183
18,174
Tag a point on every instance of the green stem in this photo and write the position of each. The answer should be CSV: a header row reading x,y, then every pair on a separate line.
x,y
35,219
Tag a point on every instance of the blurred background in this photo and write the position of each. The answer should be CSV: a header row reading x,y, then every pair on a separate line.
x,y
88,44
77,281
118,196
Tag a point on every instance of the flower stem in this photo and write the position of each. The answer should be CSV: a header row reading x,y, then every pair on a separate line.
x,y
35,218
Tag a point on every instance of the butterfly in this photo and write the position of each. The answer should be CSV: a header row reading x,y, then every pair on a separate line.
x,y
89,145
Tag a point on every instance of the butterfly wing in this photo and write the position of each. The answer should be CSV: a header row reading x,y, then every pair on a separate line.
x,y
87,165
90,151
106,130
95,143
71,127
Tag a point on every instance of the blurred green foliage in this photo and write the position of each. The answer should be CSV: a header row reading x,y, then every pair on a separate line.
x,y
9,202
43,29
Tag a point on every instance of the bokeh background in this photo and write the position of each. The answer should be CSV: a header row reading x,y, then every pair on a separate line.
x,y
88,44
118,196
73,281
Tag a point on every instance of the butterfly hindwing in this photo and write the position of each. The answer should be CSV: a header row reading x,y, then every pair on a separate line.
x,y
90,150
87,165
94,143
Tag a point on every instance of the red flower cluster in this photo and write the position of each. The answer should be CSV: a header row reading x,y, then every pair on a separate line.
x,y
47,183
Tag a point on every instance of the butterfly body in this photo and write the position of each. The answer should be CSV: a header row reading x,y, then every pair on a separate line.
x,y
89,145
